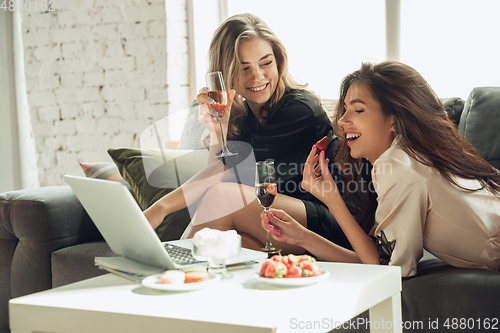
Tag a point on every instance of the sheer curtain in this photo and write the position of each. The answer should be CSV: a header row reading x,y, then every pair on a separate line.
x,y
27,151
9,179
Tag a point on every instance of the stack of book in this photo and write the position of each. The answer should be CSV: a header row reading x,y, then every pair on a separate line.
x,y
129,269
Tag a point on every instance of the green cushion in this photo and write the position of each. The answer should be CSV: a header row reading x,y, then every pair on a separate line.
x,y
152,174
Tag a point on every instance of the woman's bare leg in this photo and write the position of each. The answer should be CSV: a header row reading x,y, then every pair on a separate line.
x,y
188,193
227,206
249,242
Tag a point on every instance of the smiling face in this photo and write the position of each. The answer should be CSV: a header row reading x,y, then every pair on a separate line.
x,y
259,72
369,132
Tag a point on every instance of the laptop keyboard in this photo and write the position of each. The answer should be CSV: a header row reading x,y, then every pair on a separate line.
x,y
181,255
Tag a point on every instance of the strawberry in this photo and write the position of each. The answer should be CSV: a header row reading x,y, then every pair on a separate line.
x,y
220,108
273,269
294,271
272,188
286,261
267,263
310,269
322,144
290,266
306,257
280,270
270,270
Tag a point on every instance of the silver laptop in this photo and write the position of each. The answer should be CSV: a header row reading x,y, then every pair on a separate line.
x,y
128,233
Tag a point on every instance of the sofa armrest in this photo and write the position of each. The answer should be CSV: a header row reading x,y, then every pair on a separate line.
x,y
33,224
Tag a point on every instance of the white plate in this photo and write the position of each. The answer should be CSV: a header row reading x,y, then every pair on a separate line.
x,y
153,282
304,281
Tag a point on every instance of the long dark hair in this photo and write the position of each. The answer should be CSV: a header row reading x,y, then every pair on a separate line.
x,y
423,128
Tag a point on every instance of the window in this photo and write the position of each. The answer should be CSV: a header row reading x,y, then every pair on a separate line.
x,y
325,39
452,43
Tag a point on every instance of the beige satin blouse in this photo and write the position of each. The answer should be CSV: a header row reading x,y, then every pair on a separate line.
x,y
419,209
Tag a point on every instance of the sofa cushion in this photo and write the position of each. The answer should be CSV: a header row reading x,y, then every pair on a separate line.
x,y
192,131
441,291
106,171
479,123
39,215
33,224
7,248
152,174
77,263
102,170
454,107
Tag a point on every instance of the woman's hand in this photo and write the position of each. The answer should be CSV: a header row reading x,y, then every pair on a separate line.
x,y
210,118
318,180
283,227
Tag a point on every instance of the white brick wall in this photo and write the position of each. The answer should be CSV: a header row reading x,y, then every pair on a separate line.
x,y
98,73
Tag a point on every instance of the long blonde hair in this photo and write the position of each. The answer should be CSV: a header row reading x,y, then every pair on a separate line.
x,y
223,56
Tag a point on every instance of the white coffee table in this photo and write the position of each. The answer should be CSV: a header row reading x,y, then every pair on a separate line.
x,y
110,303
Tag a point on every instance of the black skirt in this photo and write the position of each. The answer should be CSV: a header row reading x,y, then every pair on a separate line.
x,y
322,222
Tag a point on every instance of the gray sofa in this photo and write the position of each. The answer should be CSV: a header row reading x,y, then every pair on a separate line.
x,y
48,240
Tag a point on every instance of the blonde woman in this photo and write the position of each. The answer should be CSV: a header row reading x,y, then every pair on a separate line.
x,y
274,115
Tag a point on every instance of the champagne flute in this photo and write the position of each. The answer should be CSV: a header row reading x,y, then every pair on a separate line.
x,y
266,190
217,91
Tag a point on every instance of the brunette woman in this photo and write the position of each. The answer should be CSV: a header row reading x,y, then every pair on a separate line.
x,y
434,190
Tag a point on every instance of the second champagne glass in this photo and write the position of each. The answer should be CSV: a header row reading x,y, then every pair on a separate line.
x,y
266,190
217,91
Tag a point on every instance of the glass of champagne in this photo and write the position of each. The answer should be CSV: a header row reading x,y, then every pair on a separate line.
x,y
217,91
266,190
